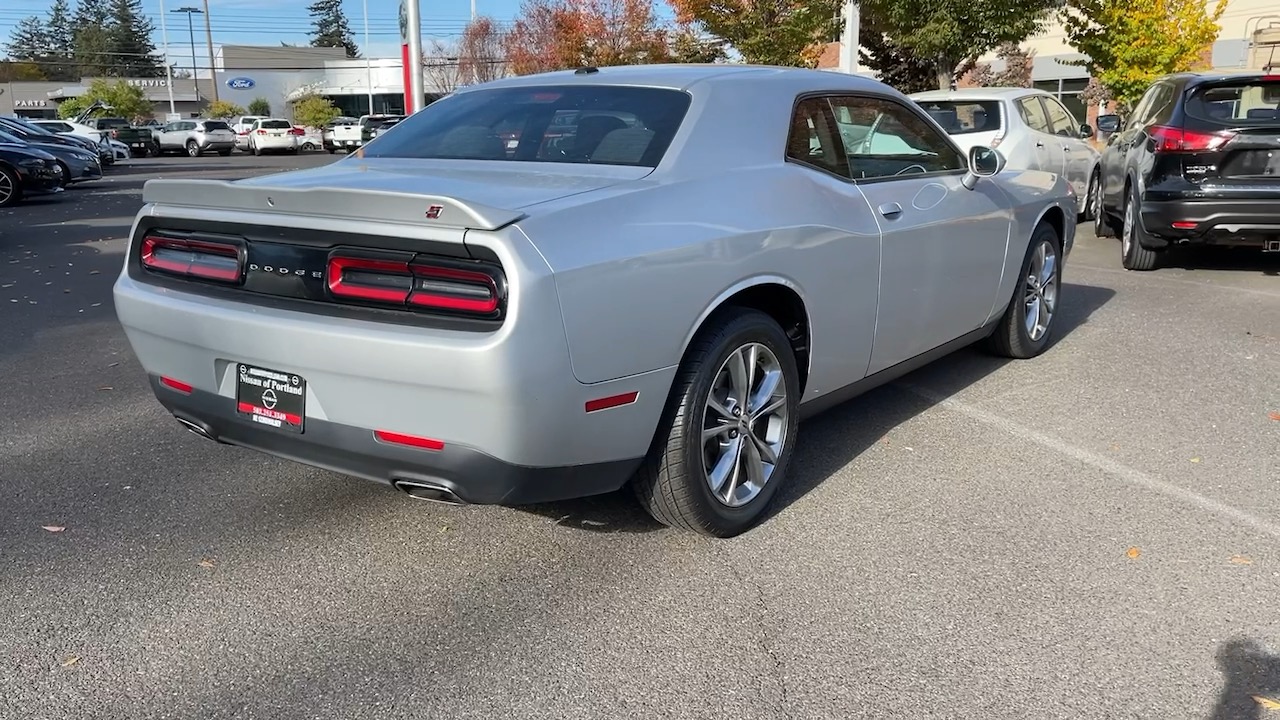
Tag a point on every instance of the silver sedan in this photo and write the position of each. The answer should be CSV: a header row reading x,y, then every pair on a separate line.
x,y
562,284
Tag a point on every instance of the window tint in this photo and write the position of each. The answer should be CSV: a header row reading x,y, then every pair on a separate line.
x,y
811,140
1033,115
275,124
884,139
1242,102
573,123
1060,120
960,117
215,125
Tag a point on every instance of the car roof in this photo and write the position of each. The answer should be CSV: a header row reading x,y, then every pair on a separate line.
x,y
1198,76
677,76
977,93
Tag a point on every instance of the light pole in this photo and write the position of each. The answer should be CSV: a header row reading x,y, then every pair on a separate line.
x,y
168,67
192,33
208,35
368,64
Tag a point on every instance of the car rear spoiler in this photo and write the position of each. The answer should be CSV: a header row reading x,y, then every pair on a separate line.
x,y
379,205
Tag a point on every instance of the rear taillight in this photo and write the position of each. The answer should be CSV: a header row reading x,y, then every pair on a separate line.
x,y
202,259
262,132
297,131
1171,139
419,282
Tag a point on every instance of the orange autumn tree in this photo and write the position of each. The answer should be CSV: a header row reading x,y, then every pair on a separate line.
x,y
769,32
561,34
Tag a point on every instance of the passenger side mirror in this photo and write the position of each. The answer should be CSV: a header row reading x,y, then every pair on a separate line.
x,y
1086,132
983,162
1108,123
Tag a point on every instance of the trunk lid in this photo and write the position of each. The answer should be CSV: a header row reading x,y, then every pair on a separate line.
x,y
468,194
1231,132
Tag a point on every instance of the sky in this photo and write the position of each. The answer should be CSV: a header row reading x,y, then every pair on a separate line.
x,y
271,22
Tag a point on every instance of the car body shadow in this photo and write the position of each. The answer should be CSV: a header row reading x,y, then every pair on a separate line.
x,y
1251,677
1222,259
830,441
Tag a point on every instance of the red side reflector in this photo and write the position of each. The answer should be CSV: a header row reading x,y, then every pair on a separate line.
x,y
1184,225
424,443
176,384
611,402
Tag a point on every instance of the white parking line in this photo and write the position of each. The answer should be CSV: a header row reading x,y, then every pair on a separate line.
x,y
1092,459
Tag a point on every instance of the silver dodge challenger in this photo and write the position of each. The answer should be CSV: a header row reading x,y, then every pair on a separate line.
x,y
562,284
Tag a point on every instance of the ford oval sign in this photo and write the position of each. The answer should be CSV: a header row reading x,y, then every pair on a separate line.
x,y
240,83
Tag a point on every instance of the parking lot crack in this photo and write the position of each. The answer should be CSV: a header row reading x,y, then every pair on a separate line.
x,y
766,641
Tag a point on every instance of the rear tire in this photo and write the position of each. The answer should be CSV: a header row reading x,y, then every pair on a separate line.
x,y
1035,300
718,481
1091,200
1132,254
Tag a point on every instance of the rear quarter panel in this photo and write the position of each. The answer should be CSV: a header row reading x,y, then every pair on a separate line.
x,y
1036,197
638,271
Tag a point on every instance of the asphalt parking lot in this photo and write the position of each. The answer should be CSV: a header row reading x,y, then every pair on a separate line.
x,y
1095,533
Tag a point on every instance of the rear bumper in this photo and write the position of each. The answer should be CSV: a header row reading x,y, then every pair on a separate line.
x,y
1239,222
508,397
471,475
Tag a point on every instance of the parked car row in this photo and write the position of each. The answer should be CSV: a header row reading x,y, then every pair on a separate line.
x,y
35,160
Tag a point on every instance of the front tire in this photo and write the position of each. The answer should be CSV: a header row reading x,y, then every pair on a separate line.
x,y
725,440
10,188
193,150
1024,330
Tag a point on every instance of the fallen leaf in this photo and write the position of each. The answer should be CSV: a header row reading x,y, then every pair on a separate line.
x,y
105,387
1274,415
1241,560
207,563
1195,460
53,528
1114,446
1133,553
71,661
1266,702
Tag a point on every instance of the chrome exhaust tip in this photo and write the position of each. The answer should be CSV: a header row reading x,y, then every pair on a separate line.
x,y
428,491
197,429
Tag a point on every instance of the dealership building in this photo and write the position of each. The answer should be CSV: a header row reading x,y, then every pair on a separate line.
x,y
280,75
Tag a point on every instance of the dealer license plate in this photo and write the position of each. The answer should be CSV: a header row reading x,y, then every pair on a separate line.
x,y
271,397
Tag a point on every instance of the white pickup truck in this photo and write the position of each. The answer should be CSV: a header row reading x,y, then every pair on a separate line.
x,y
344,133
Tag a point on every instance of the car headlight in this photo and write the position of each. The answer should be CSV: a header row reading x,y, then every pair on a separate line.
x,y
31,163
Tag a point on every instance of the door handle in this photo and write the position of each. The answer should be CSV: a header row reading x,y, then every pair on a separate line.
x,y
1039,143
890,209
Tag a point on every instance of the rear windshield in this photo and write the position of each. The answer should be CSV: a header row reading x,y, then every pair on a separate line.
x,y
1245,102
960,117
603,125
216,125
275,124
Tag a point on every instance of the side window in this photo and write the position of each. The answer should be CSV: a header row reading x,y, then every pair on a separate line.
x,y
1143,108
1060,119
1033,115
884,139
810,139
1160,105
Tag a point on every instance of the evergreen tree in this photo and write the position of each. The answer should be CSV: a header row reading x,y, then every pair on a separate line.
x,y
91,38
61,43
331,27
129,36
29,41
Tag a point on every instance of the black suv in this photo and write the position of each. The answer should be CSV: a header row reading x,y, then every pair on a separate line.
x,y
1198,161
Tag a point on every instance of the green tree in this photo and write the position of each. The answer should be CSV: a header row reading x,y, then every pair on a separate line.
x,y
1129,43
62,45
781,32
331,27
19,71
129,41
259,106
223,109
896,65
91,41
314,111
29,41
688,47
953,34
127,101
